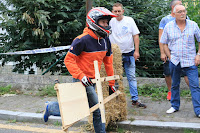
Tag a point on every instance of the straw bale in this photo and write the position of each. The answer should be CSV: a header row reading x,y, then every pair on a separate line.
x,y
116,108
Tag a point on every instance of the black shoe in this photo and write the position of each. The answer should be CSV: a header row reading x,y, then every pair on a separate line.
x,y
138,104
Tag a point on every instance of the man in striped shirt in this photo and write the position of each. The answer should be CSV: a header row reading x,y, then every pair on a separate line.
x,y
179,45
166,71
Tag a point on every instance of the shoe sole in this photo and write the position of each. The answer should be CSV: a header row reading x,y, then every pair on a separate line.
x,y
172,112
138,106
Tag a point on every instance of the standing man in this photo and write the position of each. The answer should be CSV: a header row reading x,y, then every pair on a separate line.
x,y
163,56
126,34
93,44
179,45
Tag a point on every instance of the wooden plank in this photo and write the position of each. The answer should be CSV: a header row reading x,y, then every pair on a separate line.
x,y
99,92
115,77
72,97
107,99
106,78
58,97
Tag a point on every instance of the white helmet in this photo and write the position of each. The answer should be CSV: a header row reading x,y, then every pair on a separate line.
x,y
93,17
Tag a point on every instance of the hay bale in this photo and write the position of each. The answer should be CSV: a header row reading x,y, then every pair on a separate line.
x,y
116,108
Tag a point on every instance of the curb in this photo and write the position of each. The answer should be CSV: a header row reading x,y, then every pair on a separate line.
x,y
158,126
33,118
136,125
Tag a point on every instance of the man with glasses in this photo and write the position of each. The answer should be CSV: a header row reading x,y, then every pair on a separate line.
x,y
179,45
166,71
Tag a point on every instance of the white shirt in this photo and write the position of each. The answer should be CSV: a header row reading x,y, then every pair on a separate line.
x,y
123,32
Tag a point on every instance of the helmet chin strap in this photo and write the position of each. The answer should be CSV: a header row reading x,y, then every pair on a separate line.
x,y
99,34
103,33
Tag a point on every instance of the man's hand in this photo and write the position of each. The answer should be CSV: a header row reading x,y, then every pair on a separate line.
x,y
136,55
86,81
197,60
112,89
163,57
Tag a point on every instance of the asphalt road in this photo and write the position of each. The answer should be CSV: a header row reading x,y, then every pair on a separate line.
x,y
21,127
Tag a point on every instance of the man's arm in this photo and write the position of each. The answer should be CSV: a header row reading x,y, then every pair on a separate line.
x,y
166,51
162,53
136,40
197,58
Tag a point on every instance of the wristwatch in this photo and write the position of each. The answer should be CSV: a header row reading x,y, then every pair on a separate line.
x,y
198,53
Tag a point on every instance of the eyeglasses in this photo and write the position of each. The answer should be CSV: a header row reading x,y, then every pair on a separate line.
x,y
182,11
115,11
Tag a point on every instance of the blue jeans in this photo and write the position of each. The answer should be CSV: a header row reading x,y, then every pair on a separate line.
x,y
129,66
53,109
192,74
166,70
99,127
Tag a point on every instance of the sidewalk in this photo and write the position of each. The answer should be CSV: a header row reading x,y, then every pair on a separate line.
x,y
153,119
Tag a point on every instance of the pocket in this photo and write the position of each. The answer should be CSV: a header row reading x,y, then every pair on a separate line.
x,y
126,59
173,38
193,67
190,39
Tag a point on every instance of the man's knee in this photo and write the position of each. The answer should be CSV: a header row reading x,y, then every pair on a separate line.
x,y
131,78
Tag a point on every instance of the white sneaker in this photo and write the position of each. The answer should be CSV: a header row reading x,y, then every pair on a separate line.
x,y
171,110
199,115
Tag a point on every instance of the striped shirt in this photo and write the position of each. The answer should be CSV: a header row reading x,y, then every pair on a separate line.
x,y
181,44
166,20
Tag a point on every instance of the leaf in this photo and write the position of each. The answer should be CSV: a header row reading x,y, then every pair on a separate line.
x,y
63,14
22,32
47,34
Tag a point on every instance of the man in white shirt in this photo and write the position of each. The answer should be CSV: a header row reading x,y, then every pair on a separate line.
x,y
126,35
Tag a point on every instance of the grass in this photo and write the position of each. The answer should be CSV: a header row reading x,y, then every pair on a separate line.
x,y
191,131
115,128
8,90
157,92
58,124
148,90
131,119
153,91
38,111
47,91
12,121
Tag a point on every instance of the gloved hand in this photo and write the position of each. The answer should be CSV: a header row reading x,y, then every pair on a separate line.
x,y
112,89
86,81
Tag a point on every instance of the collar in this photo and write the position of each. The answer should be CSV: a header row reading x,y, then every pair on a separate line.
x,y
91,33
186,21
186,24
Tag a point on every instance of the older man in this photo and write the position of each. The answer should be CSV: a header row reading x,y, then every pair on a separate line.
x,y
179,45
166,71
